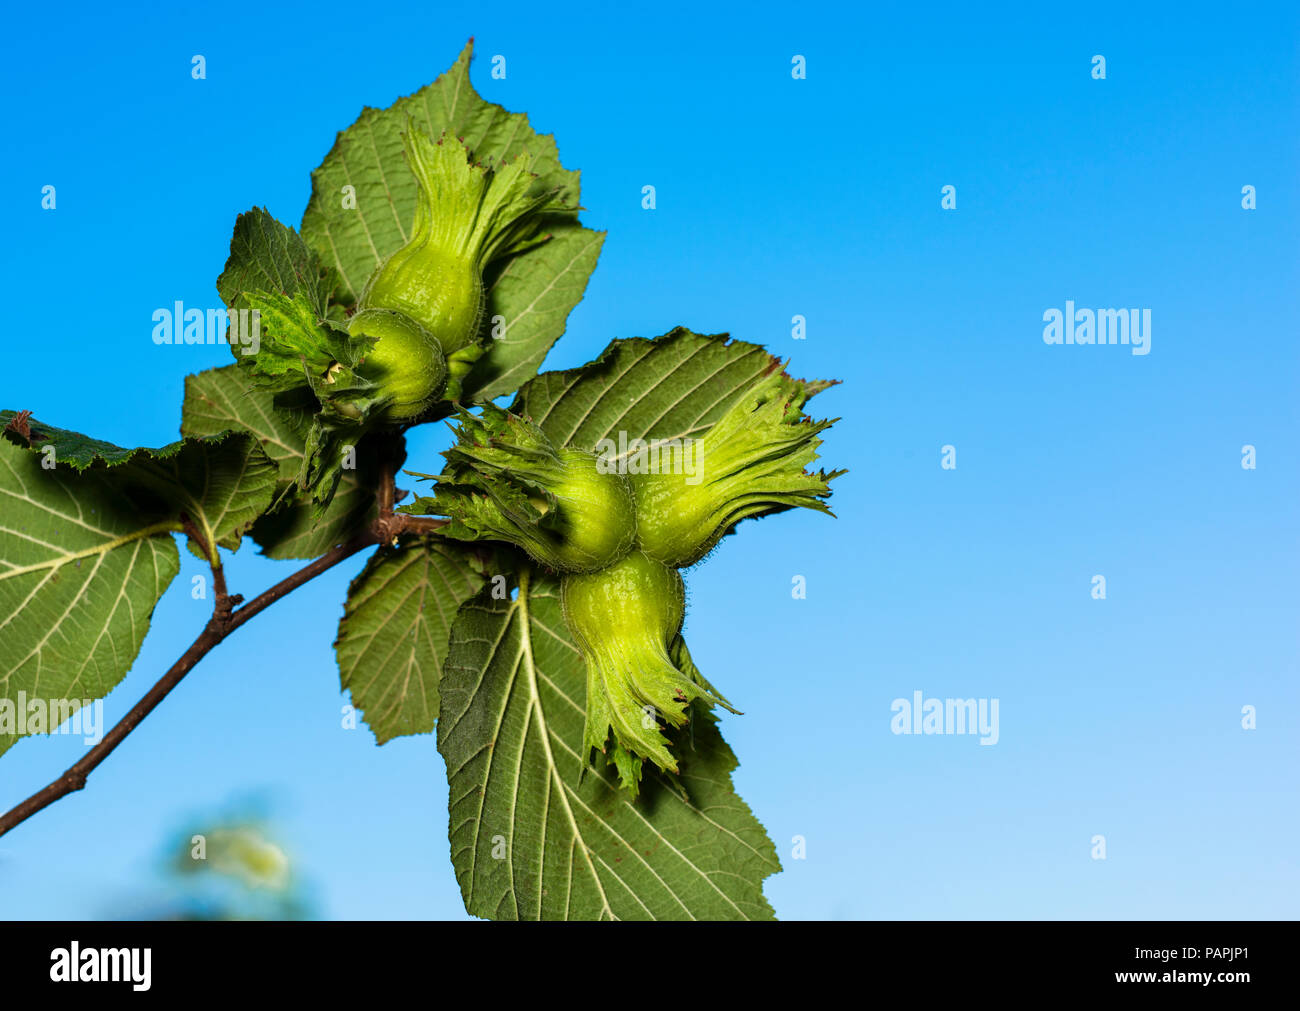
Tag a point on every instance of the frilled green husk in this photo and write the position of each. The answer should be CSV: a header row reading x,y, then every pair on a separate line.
x,y
506,481
467,215
751,463
299,348
624,619
302,355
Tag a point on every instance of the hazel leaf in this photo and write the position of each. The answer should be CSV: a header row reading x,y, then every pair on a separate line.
x,y
363,209
222,483
225,398
533,839
81,569
270,257
676,386
392,639
87,549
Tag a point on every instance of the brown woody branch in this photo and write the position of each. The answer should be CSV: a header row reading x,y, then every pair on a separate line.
x,y
226,617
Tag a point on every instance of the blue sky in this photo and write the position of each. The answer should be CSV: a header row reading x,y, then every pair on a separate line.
x,y
775,197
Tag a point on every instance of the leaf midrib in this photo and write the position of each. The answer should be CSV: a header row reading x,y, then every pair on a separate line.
x,y
534,701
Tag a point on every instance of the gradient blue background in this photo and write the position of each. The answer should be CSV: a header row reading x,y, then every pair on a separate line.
x,y
775,197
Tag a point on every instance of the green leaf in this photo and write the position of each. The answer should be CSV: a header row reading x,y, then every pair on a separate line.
x,y
82,565
392,640
294,340
222,483
528,839
227,483
533,292
673,387
534,295
224,398
270,257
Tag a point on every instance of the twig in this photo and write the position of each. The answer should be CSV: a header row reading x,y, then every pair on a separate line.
x,y
224,620
419,524
388,524
226,617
